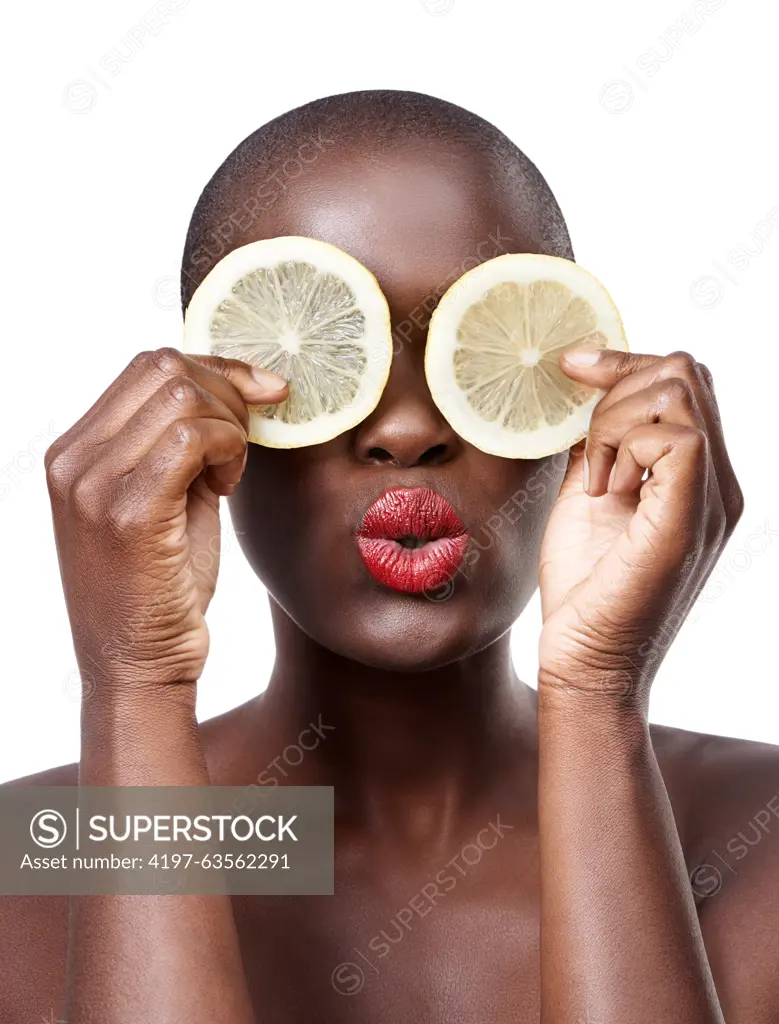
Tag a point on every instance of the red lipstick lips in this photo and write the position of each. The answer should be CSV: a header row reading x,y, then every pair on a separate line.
x,y
412,540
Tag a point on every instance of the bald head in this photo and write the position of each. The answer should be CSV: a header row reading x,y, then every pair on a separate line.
x,y
406,183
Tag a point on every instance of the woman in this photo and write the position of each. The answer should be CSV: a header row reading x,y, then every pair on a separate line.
x,y
589,823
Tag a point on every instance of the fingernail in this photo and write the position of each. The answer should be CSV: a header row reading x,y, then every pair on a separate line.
x,y
586,474
270,381
581,356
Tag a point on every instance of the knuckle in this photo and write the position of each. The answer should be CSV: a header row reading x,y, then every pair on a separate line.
x,y
182,390
125,513
693,439
624,363
734,508
58,470
85,494
168,361
716,531
141,361
239,443
217,364
738,502
705,372
184,434
53,462
597,441
699,439
681,362
676,389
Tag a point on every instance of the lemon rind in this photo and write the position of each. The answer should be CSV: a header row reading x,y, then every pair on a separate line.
x,y
521,268
326,258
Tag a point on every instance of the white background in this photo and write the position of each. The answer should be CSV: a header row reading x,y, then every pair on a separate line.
x,y
655,124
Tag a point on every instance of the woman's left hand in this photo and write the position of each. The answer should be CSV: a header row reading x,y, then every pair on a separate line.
x,y
624,557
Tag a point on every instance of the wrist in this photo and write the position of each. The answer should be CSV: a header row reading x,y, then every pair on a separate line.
x,y
137,697
592,738
616,698
614,662
142,735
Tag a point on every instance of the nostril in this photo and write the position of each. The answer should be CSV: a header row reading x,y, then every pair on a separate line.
x,y
436,452
380,454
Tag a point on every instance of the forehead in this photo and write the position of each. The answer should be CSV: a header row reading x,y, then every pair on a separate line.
x,y
417,216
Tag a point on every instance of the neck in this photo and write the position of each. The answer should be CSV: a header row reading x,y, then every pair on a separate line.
x,y
408,753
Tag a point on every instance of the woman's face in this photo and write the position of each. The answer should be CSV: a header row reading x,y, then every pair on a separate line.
x,y
418,219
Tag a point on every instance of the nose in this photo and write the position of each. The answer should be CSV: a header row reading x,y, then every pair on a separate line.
x,y
406,428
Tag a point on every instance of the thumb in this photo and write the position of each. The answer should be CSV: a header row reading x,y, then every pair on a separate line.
x,y
256,385
602,368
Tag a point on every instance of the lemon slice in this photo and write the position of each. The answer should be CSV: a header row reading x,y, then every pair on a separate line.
x,y
309,312
493,347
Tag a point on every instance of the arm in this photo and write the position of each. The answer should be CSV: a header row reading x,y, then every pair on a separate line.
x,y
620,935
151,958
622,562
135,488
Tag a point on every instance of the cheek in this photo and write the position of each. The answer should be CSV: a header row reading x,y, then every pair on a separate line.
x,y
292,524
271,532
266,510
516,499
500,568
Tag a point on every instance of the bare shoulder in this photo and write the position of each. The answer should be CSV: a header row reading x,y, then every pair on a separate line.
x,y
33,938
64,775
725,794
34,929
718,786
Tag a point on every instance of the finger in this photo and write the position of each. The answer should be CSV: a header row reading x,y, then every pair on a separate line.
x,y
232,381
688,512
732,496
178,398
676,456
629,373
603,368
666,401
708,380
256,385
633,372
182,452
224,479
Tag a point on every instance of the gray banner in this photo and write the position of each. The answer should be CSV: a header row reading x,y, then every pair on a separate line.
x,y
136,840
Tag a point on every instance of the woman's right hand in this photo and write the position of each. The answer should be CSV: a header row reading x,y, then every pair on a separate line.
x,y
135,488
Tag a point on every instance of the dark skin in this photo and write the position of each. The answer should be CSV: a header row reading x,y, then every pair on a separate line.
x,y
579,909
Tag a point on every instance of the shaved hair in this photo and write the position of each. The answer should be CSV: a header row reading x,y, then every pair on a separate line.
x,y
260,168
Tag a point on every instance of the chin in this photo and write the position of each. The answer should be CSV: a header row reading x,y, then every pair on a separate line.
x,y
402,634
